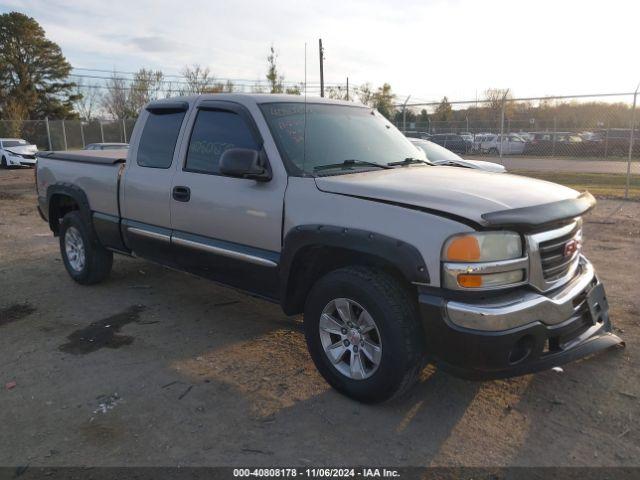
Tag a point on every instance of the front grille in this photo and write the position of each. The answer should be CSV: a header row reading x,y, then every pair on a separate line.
x,y
555,264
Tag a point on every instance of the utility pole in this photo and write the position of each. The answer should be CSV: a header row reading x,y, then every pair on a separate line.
x,y
321,68
347,98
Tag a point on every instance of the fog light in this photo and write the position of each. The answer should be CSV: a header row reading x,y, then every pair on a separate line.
x,y
521,350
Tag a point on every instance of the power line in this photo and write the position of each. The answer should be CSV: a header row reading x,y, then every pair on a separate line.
x,y
237,81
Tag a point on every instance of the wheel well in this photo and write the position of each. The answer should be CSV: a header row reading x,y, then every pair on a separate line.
x,y
313,262
59,205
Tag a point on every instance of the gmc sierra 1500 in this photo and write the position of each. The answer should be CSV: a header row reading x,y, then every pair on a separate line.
x,y
326,208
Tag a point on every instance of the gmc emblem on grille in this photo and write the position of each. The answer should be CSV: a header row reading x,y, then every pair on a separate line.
x,y
571,247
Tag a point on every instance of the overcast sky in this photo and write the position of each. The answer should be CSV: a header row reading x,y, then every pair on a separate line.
x,y
426,48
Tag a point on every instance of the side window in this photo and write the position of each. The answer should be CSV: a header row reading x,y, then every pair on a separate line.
x,y
158,140
215,131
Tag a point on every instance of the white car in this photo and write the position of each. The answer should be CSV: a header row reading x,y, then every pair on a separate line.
x,y
512,144
17,152
441,156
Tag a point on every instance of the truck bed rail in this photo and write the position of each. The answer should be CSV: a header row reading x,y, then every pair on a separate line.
x,y
100,157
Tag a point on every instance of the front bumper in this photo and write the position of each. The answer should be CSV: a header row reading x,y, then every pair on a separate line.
x,y
19,160
521,331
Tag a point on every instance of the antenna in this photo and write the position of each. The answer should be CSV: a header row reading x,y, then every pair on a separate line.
x,y
304,127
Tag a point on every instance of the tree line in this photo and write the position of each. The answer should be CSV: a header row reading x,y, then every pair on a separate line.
x,y
35,82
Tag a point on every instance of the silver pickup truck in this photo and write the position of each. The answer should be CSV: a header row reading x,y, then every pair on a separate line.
x,y
326,208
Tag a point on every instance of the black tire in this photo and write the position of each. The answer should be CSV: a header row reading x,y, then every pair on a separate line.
x,y
493,151
396,315
3,163
97,260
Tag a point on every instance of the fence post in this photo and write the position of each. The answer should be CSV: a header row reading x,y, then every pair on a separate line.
x,y
124,130
101,132
633,128
555,129
64,136
504,103
46,122
404,114
82,134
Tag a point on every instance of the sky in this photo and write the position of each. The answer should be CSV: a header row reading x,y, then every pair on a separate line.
x,y
423,48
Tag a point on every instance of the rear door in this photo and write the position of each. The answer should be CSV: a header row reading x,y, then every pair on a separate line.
x,y
228,229
146,188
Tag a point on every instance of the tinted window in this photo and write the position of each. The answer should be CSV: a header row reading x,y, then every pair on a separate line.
x,y
159,139
214,132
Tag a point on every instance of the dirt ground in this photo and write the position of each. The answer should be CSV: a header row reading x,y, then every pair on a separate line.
x,y
184,372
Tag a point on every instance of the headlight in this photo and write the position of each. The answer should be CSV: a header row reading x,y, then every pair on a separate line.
x,y
484,260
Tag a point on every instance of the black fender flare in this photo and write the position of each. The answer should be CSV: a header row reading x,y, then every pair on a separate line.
x,y
404,256
69,190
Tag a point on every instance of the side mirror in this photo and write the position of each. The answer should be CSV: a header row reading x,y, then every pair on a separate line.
x,y
245,163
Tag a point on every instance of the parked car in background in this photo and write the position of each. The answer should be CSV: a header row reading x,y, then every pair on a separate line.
x,y
478,138
511,144
415,134
467,136
452,141
17,152
441,156
560,143
526,136
615,141
106,146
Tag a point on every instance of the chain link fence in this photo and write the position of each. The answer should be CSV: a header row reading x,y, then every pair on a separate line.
x,y
590,142
68,134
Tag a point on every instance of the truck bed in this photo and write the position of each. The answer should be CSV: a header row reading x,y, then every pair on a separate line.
x,y
96,172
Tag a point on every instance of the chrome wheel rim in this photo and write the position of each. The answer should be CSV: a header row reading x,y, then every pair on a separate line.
x,y
350,338
74,248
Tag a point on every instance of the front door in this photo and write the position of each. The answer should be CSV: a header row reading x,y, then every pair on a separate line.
x,y
227,229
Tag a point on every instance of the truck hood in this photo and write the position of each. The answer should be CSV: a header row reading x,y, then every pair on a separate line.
x,y
465,193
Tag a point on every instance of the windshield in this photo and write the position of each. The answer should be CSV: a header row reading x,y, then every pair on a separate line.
x,y
335,133
13,143
435,152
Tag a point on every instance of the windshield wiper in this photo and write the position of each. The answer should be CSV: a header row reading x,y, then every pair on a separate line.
x,y
350,163
410,161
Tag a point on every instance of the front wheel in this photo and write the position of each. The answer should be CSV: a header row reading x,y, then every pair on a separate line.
x,y
86,261
363,333
3,162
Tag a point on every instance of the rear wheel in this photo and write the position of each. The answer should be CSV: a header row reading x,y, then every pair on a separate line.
x,y
363,333
86,261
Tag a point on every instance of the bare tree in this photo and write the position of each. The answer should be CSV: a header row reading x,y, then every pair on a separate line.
x,y
365,94
87,100
336,93
276,81
198,80
146,86
115,98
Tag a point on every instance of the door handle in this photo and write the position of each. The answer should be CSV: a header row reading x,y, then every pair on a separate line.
x,y
182,194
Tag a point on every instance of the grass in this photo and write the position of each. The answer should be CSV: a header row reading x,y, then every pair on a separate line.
x,y
600,184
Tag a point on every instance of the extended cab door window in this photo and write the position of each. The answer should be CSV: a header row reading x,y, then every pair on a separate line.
x,y
158,140
214,132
